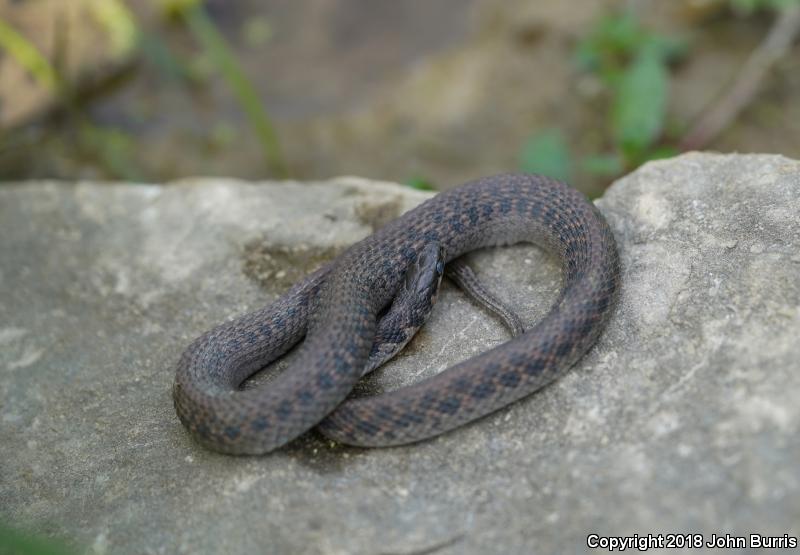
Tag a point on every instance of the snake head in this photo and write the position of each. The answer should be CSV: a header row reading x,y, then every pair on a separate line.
x,y
424,277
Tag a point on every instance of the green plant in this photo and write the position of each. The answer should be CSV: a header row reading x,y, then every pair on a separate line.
x,y
118,20
15,542
28,57
110,147
632,64
204,30
748,7
420,183
547,153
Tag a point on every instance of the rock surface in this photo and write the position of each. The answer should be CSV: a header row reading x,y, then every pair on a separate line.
x,y
684,418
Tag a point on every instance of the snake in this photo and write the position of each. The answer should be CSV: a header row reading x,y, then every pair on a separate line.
x,y
343,314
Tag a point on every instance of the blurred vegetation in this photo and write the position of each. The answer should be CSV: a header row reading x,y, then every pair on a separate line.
x,y
28,56
748,7
15,542
113,149
209,37
633,64
420,183
109,146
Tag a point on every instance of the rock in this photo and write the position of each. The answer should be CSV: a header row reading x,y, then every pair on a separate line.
x,y
683,418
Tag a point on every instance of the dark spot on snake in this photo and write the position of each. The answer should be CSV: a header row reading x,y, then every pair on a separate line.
x,y
366,427
413,417
449,405
232,432
517,360
473,214
510,379
483,390
305,397
563,349
492,369
340,365
325,381
427,401
260,424
407,418
284,409
385,412
462,385
455,223
432,236
534,366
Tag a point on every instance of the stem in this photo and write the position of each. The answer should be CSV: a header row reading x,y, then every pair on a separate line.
x,y
214,43
774,46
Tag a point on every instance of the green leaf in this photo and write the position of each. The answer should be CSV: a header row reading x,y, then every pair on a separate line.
x,y
420,183
120,23
620,32
612,35
587,56
661,153
547,153
640,103
669,48
29,57
603,165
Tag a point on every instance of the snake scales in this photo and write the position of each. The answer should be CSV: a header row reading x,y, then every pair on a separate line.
x,y
337,308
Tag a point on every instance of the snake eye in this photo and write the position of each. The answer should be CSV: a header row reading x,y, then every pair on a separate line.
x,y
440,267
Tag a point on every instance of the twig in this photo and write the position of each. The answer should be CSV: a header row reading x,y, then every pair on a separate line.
x,y
774,46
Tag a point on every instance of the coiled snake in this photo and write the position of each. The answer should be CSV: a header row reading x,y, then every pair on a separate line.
x,y
337,310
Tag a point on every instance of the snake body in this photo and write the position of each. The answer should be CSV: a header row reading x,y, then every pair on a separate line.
x,y
336,309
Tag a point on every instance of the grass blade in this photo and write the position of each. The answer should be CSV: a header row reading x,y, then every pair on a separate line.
x,y
29,57
204,30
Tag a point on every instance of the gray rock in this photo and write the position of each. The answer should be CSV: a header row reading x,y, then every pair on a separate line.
x,y
684,418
